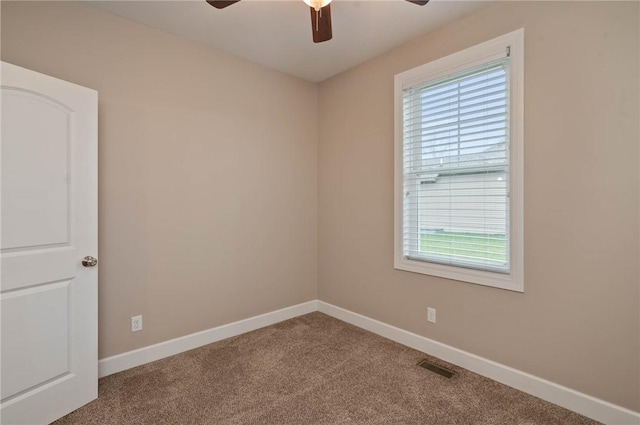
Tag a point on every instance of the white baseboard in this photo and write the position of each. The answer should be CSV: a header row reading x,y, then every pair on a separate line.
x,y
584,404
124,361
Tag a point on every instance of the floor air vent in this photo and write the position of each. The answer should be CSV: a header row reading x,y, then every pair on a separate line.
x,y
435,368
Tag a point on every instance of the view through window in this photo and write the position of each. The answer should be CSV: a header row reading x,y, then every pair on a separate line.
x,y
456,169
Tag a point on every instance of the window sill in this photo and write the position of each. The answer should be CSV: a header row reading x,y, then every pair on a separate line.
x,y
511,281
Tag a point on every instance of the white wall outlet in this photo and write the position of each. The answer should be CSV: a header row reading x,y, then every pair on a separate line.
x,y
431,315
136,323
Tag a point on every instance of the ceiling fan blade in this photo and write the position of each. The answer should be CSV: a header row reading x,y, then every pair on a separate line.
x,y
419,2
221,4
321,24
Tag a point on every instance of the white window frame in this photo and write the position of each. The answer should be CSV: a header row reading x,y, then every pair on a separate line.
x,y
496,48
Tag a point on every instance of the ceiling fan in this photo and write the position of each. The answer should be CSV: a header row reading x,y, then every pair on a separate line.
x,y
320,15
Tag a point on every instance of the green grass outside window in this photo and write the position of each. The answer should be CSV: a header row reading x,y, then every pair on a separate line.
x,y
468,245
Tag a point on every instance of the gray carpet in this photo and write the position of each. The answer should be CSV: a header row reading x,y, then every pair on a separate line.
x,y
312,369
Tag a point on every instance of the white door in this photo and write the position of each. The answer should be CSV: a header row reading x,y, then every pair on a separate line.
x,y
48,299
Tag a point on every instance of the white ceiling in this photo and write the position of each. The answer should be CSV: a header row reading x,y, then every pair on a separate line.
x,y
277,34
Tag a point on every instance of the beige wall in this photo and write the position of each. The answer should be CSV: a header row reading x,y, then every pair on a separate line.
x,y
578,321
186,135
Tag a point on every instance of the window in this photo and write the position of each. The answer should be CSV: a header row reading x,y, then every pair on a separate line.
x,y
459,165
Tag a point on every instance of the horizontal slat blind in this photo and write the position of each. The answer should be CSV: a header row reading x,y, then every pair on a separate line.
x,y
456,169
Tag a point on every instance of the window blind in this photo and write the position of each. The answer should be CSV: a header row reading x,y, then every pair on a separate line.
x,y
456,169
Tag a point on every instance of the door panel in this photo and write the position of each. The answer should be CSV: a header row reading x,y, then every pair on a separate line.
x,y
48,299
44,307
34,170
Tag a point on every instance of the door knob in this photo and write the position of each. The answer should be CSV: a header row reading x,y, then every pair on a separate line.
x,y
89,261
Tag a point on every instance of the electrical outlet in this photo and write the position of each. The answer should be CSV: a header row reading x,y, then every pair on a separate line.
x,y
431,315
136,323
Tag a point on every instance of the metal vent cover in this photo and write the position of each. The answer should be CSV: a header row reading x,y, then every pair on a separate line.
x,y
436,369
